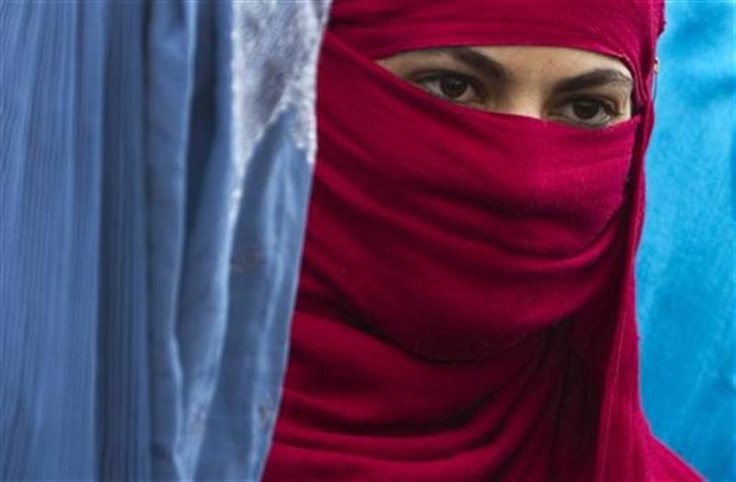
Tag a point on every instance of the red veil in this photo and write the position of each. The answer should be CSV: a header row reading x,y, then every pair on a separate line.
x,y
466,302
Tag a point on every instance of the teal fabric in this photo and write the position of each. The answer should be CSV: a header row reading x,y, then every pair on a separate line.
x,y
685,266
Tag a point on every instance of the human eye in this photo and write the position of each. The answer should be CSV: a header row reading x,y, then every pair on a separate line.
x,y
452,86
589,112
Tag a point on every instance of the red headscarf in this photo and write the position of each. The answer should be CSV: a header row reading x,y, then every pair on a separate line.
x,y
466,304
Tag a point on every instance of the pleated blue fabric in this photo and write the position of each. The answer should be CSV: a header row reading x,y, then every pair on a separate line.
x,y
155,163
147,272
74,384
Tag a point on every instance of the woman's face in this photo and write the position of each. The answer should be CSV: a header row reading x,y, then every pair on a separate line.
x,y
571,86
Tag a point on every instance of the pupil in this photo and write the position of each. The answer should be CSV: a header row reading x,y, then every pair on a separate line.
x,y
585,109
452,86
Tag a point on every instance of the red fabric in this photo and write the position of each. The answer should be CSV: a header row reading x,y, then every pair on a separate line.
x,y
466,302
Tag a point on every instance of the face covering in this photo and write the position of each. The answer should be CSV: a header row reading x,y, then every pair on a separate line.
x,y
465,308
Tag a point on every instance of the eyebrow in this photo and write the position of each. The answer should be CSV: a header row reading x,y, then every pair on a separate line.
x,y
496,71
474,60
594,78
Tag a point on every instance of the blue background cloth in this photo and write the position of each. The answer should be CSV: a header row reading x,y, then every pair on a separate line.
x,y
114,155
686,259
143,320
74,392
143,330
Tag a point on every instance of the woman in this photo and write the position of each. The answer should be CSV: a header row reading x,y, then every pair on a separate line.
x,y
465,309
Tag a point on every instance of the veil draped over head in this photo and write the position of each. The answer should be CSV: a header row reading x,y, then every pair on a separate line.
x,y
466,301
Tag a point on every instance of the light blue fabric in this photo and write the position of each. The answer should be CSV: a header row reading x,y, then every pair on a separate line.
x,y
149,244
273,116
685,266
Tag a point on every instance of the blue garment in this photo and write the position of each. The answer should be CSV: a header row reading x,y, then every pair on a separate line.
x,y
149,244
685,267
74,386
155,163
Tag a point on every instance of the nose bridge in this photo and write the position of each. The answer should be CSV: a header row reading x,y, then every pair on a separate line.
x,y
525,99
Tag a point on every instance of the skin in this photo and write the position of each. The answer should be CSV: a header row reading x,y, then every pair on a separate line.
x,y
571,86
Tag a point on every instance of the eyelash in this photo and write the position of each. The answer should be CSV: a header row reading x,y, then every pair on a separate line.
x,y
609,107
437,76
